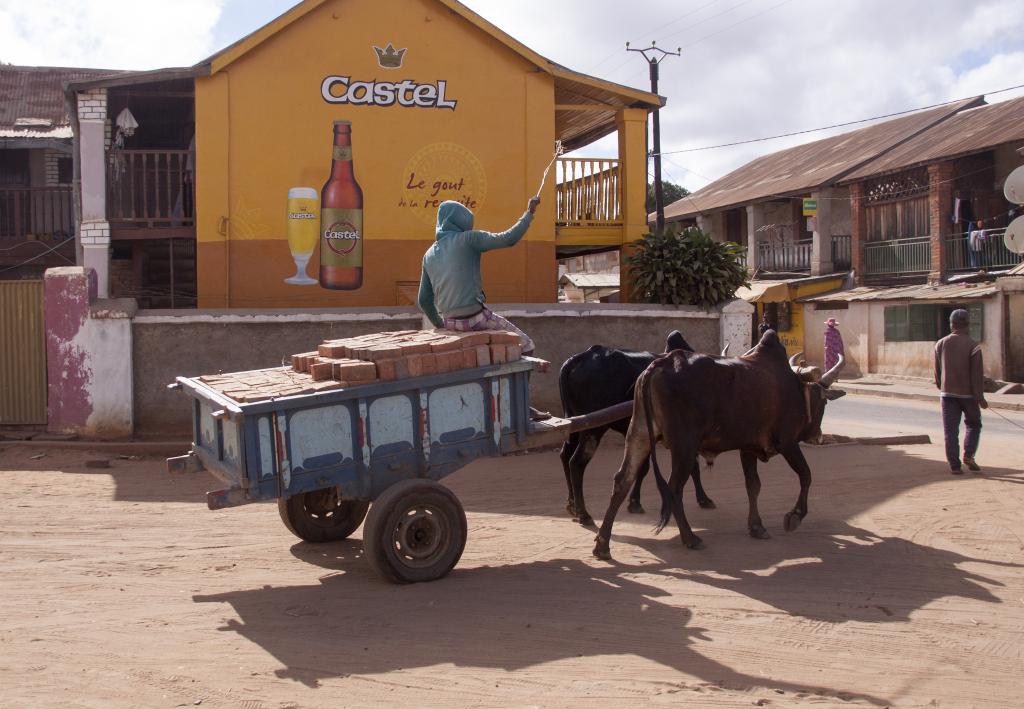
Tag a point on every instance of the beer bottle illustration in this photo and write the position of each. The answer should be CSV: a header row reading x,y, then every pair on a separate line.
x,y
341,218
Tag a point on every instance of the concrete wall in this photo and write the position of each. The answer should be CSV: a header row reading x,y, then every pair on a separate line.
x,y
863,328
167,344
88,342
1015,339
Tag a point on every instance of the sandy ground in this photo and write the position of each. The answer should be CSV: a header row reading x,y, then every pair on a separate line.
x,y
903,587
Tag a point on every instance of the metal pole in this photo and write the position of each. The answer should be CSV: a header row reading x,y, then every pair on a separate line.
x,y
657,55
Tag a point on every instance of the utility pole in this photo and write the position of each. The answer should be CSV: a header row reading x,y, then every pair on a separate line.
x,y
657,55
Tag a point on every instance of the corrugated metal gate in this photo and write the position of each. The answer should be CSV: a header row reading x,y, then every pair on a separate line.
x,y
22,353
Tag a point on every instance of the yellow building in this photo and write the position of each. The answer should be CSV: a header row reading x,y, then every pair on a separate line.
x,y
778,301
441,105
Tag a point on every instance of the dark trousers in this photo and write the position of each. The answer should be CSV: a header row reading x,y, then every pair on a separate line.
x,y
952,409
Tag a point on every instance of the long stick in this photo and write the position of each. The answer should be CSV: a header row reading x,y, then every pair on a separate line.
x,y
558,151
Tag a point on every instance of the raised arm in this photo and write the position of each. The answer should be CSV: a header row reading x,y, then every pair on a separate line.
x,y
485,240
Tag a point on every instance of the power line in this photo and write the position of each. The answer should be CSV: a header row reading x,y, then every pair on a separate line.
x,y
38,256
837,125
664,26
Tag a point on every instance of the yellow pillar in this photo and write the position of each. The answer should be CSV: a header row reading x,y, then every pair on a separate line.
x,y
632,127
212,199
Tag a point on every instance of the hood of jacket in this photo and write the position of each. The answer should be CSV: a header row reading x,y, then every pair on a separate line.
x,y
452,217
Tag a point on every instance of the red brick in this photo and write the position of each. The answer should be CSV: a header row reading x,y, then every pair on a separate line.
x,y
379,352
497,354
468,358
513,352
350,370
445,344
501,337
483,355
472,339
415,365
429,363
450,361
386,369
402,370
331,349
321,371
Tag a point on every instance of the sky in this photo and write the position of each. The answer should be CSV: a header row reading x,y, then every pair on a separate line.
x,y
748,68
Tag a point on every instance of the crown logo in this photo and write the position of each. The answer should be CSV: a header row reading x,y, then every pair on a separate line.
x,y
389,58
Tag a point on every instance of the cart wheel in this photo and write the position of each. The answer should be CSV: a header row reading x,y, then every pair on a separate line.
x,y
416,531
319,516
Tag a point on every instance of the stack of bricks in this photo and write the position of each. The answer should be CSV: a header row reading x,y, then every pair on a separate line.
x,y
263,384
385,356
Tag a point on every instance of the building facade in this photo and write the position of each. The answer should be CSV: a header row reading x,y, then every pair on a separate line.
x,y
439,105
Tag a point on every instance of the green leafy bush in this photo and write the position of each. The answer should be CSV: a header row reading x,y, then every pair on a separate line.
x,y
687,269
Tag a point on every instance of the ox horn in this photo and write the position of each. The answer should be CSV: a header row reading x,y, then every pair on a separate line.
x,y
725,350
794,361
829,377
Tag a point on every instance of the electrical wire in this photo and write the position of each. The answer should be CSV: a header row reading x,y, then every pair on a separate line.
x,y
836,125
38,256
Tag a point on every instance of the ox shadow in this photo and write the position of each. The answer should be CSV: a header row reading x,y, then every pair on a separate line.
x,y
507,618
836,575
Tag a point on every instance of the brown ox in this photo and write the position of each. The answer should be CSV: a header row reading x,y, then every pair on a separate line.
x,y
760,404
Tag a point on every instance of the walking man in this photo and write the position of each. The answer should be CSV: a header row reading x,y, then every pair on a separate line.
x,y
959,376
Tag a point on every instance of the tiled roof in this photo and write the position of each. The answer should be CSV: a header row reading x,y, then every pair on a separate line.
x,y
945,291
970,131
32,100
802,168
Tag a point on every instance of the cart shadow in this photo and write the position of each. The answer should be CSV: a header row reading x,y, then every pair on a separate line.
x,y
507,617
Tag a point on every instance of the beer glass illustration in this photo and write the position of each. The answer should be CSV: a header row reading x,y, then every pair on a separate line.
x,y
303,232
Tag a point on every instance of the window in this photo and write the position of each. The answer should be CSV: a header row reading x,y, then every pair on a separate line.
x,y
65,171
928,323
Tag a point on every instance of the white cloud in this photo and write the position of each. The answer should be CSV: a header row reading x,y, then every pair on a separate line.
x,y
108,34
800,65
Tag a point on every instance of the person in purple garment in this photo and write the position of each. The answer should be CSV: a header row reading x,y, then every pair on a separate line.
x,y
833,344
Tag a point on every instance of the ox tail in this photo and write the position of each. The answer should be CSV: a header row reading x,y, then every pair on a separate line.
x,y
663,488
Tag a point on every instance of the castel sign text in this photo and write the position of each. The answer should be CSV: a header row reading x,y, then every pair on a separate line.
x,y
341,89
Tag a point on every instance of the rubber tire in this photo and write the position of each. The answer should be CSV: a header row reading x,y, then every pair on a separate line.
x,y
381,547
297,516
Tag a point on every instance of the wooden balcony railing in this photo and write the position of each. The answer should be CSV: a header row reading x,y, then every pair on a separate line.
x,y
993,253
898,257
150,190
47,213
589,192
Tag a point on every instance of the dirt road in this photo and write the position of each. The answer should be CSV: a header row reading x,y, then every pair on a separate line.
x,y
903,587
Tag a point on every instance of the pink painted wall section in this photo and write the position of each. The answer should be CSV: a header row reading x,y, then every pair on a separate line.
x,y
68,293
88,356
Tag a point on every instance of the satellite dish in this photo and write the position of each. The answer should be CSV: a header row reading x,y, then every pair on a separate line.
x,y
1014,236
1013,188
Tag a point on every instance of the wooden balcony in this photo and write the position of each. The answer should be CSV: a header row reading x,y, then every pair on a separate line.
x,y
44,213
993,254
150,194
588,202
37,228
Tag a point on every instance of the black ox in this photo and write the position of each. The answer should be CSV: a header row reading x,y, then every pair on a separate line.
x,y
596,379
760,404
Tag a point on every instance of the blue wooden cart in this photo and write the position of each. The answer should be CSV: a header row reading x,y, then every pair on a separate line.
x,y
324,457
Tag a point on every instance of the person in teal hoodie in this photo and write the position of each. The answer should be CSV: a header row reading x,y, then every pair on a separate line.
x,y
451,292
